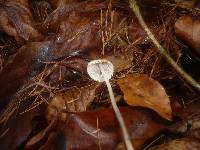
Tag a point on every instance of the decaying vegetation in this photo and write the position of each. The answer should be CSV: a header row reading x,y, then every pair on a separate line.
x,y
48,101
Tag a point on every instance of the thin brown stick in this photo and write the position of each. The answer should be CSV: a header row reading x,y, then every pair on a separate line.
x,y
186,76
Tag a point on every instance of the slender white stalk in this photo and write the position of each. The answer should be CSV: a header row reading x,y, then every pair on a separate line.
x,y
101,70
120,119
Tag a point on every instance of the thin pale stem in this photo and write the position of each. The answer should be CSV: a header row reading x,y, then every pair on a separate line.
x,y
186,76
120,119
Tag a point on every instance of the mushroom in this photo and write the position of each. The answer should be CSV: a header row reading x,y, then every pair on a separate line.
x,y
101,70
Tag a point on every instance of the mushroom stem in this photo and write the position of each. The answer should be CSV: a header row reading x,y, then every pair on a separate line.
x,y
117,112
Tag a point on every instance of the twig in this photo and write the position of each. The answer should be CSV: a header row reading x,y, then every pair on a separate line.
x,y
186,76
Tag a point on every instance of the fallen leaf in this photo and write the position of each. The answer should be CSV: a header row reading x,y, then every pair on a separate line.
x,y
186,3
187,28
190,123
26,63
16,127
141,90
100,129
16,20
140,124
75,99
40,9
35,140
63,11
180,144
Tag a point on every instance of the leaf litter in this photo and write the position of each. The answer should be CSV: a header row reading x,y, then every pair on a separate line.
x,y
47,98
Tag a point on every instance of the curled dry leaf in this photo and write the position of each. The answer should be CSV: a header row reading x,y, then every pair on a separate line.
x,y
75,99
180,144
190,123
141,90
16,20
187,28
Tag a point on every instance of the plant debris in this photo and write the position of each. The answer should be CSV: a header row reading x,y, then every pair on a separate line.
x,y
140,90
48,101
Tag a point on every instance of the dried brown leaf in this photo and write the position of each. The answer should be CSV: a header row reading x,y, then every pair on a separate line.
x,y
100,129
141,90
187,28
180,144
16,20
75,99
15,127
190,123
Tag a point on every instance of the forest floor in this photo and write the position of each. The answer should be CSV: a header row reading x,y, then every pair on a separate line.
x,y
49,102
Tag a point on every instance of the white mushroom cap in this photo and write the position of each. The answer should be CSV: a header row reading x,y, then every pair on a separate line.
x,y
100,70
